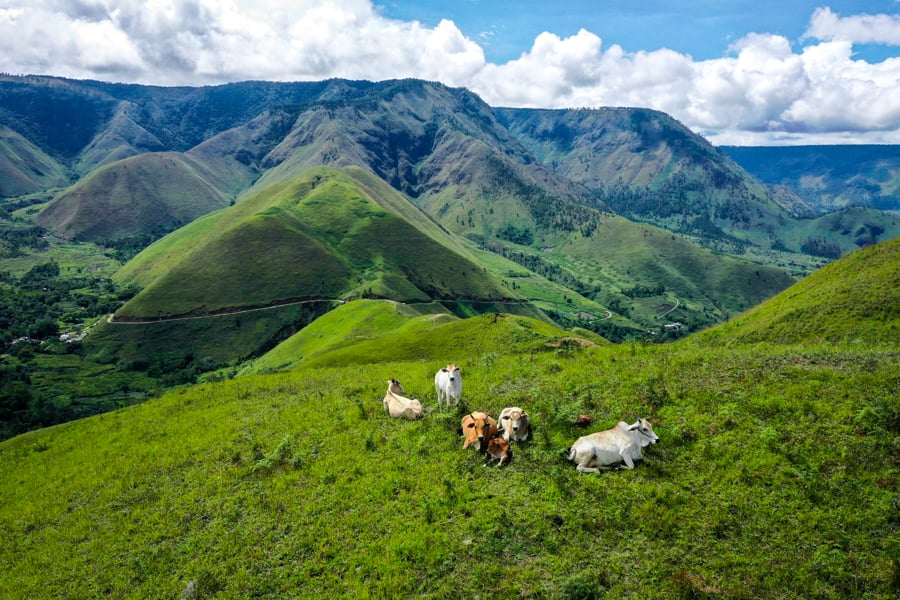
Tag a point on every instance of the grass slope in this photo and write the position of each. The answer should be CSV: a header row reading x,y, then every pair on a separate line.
x,y
149,193
774,477
371,331
855,299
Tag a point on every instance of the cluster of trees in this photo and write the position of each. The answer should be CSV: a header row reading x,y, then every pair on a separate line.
x,y
819,246
41,302
34,309
13,240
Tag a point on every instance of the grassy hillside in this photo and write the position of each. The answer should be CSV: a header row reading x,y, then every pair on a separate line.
x,y
24,168
774,477
150,193
319,236
373,331
855,299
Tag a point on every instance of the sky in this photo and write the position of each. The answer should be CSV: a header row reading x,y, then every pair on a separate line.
x,y
739,72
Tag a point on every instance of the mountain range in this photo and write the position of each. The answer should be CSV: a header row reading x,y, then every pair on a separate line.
x,y
270,194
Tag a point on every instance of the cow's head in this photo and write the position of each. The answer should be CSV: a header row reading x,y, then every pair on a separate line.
x,y
394,387
645,429
452,370
513,419
480,424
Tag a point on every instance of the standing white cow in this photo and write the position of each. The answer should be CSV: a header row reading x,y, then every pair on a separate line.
x,y
610,448
448,385
515,424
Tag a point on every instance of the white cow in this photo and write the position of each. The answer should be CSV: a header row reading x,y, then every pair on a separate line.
x,y
610,448
448,385
398,406
515,424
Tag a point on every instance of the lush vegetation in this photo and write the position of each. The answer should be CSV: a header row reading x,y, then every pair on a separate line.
x,y
267,467
774,478
45,377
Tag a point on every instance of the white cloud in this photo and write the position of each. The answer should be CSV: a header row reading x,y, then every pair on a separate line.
x,y
879,29
762,91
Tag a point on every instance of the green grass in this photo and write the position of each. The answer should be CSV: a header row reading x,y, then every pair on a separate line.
x,y
372,331
73,259
856,299
774,478
775,475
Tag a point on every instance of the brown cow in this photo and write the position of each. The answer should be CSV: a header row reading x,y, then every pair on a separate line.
x,y
498,450
480,427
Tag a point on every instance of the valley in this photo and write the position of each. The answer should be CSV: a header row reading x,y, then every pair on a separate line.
x,y
205,290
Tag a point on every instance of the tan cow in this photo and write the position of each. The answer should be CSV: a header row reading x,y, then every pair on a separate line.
x,y
515,424
478,427
498,451
398,406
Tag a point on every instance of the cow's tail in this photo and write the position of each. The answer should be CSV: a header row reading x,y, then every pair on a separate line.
x,y
570,453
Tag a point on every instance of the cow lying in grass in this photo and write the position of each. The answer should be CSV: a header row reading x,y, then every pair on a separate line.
x,y
398,406
498,451
612,448
515,424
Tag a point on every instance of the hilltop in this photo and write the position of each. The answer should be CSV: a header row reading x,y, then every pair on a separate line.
x,y
297,484
855,299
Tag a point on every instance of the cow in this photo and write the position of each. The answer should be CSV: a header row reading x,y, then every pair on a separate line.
x,y
398,406
448,385
515,424
478,427
610,448
498,451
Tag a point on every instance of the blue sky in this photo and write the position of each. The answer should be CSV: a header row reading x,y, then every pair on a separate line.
x,y
740,72
703,29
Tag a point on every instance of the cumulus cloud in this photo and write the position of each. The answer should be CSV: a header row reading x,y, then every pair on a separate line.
x,y
763,90
878,29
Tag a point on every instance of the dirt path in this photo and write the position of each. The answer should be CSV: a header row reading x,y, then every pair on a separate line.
x,y
146,320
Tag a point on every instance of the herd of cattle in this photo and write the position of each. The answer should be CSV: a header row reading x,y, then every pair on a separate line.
x,y
617,447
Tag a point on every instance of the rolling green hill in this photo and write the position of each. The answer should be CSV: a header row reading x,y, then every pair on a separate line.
x,y
320,236
775,474
853,300
152,193
376,331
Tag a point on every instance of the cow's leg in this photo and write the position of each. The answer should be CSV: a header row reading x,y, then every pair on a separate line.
x,y
584,468
629,463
